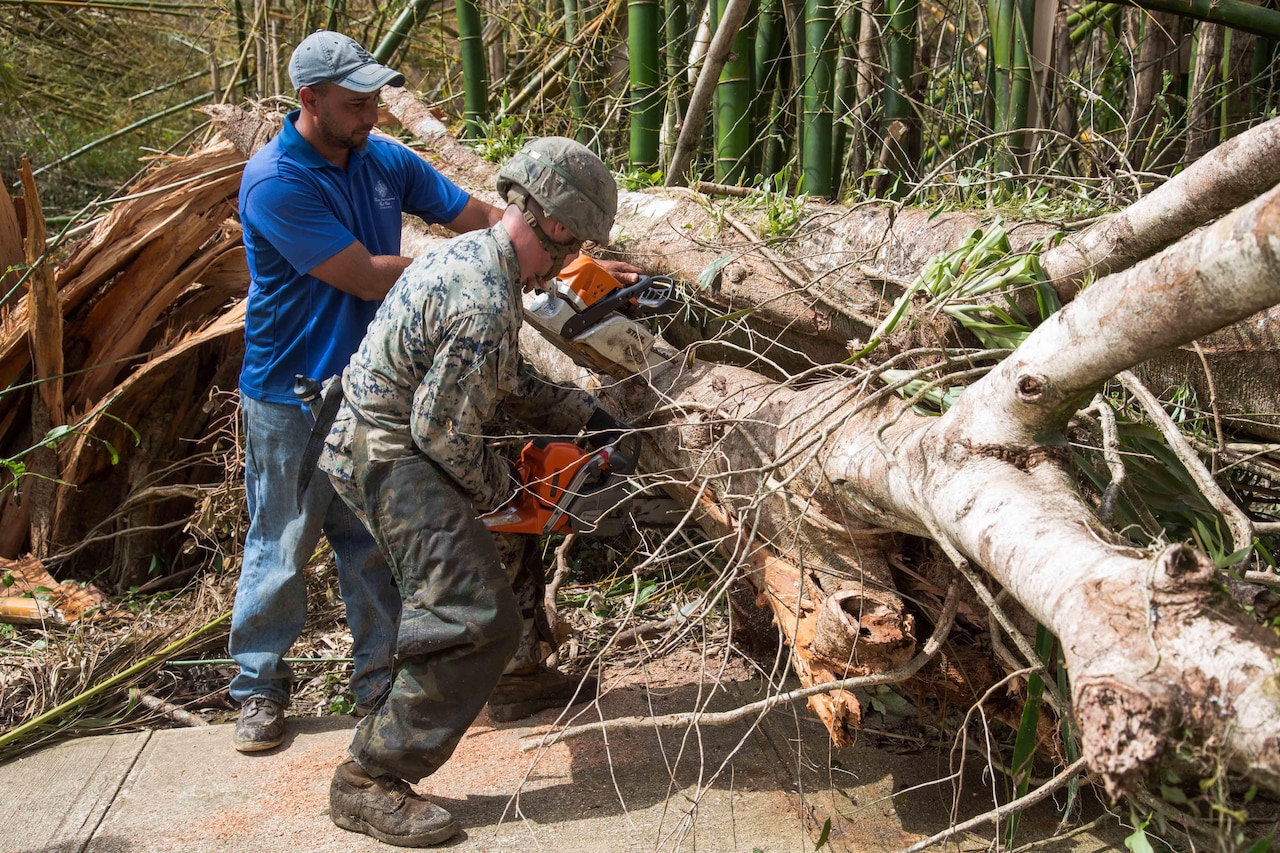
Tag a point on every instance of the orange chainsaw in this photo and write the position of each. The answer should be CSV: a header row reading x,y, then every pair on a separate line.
x,y
584,307
569,489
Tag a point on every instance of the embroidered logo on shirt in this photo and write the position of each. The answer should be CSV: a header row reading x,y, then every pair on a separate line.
x,y
383,199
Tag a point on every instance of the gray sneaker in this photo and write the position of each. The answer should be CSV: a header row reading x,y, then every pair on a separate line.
x,y
260,726
386,808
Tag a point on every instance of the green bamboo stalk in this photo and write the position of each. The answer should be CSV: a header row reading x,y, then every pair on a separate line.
x,y
32,725
122,131
768,63
1000,20
676,23
900,45
1020,82
846,91
1088,23
204,72
644,30
901,40
1084,13
1235,14
1264,56
475,67
819,85
401,29
337,11
691,131
733,105
577,97
775,146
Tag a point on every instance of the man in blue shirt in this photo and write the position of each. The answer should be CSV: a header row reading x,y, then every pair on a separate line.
x,y
321,208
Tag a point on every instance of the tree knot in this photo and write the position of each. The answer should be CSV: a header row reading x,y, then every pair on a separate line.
x,y
1031,387
1181,567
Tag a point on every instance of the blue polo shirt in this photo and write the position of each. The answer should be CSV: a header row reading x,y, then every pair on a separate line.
x,y
298,210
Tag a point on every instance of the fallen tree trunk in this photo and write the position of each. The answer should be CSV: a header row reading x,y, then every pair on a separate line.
x,y
1153,651
1157,656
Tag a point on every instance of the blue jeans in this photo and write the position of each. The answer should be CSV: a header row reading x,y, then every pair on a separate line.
x,y
271,599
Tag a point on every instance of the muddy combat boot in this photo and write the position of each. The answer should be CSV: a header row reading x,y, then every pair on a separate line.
x,y
386,808
522,694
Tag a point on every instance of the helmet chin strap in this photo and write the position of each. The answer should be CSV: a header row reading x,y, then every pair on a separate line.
x,y
559,252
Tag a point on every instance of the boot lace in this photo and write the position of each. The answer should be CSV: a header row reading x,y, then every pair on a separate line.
x,y
397,788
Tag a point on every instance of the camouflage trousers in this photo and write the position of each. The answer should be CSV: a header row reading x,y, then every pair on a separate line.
x,y
522,557
460,624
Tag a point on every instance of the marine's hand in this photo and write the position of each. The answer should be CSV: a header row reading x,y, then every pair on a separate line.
x,y
622,271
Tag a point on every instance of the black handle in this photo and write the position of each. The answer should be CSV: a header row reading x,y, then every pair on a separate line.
x,y
651,293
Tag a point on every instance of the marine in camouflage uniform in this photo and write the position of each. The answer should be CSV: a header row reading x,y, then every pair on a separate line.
x,y
408,451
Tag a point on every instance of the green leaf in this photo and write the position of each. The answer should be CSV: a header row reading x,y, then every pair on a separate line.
x,y
823,836
708,276
1138,841
646,592
891,701
1173,795
57,434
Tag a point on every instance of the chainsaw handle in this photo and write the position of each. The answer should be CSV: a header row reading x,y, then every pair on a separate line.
x,y
648,295
651,292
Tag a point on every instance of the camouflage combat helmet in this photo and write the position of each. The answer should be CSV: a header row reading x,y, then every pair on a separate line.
x,y
570,183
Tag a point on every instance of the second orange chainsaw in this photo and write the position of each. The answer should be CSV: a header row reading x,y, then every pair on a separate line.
x,y
569,489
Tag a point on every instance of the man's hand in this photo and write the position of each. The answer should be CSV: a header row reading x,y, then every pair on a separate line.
x,y
623,272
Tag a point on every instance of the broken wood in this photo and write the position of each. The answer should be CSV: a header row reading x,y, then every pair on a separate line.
x,y
17,610
122,316
48,407
167,709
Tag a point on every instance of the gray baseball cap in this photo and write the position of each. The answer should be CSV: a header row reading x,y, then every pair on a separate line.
x,y
329,57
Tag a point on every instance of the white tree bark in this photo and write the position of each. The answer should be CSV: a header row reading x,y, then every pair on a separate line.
x,y
1239,169
1153,649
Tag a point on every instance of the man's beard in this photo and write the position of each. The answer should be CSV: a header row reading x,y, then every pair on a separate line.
x,y
352,141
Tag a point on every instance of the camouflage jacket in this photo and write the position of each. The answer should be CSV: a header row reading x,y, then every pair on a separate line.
x,y
440,358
